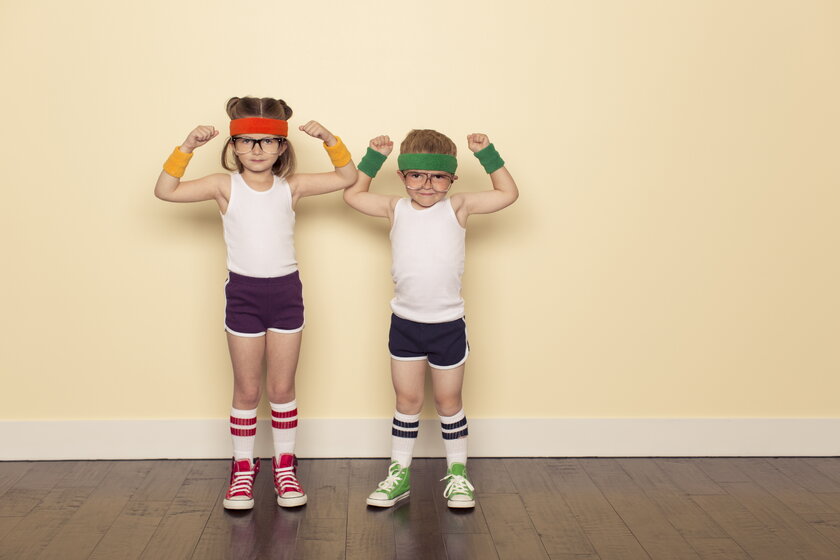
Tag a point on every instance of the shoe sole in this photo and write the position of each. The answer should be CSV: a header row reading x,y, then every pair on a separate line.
x,y
457,504
387,503
238,504
291,502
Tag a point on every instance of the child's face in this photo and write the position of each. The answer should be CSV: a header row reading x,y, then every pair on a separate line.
x,y
426,188
255,153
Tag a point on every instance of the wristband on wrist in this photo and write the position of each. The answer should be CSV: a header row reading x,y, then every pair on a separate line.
x,y
339,155
490,159
371,163
177,162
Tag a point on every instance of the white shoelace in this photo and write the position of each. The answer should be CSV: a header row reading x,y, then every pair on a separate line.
x,y
392,479
243,481
457,485
285,479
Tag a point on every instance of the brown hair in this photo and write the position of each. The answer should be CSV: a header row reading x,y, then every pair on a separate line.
x,y
427,141
269,108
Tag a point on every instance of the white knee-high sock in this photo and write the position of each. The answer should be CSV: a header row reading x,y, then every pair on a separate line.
x,y
243,432
284,421
403,435
455,432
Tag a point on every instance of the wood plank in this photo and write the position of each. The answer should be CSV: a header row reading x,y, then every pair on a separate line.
x,y
609,535
488,476
558,530
688,476
131,531
553,519
641,515
370,530
793,495
11,472
29,489
321,538
797,533
180,529
510,527
417,531
721,469
93,518
806,475
701,532
163,481
327,488
829,466
755,538
470,546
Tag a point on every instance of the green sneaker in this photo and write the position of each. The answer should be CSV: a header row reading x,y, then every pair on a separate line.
x,y
459,493
393,489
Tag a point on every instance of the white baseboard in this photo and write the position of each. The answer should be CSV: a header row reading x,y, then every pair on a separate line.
x,y
489,437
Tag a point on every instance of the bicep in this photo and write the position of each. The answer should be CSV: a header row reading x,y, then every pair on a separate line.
x,y
198,190
311,184
486,202
372,204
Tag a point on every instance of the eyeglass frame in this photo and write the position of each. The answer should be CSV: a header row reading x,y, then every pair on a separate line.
x,y
428,175
254,141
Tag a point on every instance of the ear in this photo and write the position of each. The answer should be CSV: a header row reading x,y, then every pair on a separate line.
x,y
400,174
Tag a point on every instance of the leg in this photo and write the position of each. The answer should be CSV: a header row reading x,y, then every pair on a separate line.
x,y
283,351
447,385
408,378
246,355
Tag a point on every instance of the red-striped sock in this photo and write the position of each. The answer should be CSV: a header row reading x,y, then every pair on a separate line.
x,y
284,427
243,432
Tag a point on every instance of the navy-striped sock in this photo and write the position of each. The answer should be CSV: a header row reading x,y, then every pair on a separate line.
x,y
403,435
454,430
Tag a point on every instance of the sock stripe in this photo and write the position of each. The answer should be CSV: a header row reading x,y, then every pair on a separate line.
x,y
287,414
410,425
455,435
454,425
402,434
243,432
243,421
284,425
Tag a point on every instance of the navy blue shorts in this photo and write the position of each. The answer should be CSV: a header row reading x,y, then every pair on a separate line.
x,y
444,345
256,305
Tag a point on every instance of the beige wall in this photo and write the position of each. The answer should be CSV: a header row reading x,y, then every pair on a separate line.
x,y
673,252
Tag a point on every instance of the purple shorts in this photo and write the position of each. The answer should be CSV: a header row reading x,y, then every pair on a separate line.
x,y
443,345
256,305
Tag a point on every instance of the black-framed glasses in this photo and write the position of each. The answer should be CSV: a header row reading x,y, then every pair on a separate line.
x,y
269,144
416,180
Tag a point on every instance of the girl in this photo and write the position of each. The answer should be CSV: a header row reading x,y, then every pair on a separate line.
x,y
264,309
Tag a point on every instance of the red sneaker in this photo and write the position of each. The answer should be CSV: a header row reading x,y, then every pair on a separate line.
x,y
286,485
240,493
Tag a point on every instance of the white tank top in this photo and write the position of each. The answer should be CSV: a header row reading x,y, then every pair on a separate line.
x,y
427,250
259,229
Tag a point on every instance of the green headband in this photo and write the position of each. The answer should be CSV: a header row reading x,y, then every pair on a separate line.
x,y
428,162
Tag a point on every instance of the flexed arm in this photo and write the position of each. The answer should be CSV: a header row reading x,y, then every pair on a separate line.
x,y
504,193
358,196
309,184
169,186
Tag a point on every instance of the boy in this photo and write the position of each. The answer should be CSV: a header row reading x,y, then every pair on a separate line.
x,y
427,325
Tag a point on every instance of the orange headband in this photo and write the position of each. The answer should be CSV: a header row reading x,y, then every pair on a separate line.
x,y
259,125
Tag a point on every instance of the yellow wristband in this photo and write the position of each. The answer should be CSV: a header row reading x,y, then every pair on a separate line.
x,y
339,155
177,162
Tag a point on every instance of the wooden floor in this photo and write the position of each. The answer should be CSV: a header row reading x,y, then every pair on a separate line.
x,y
569,509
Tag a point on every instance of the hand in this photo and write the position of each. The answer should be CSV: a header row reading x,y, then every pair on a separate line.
x,y
316,130
477,142
382,144
198,137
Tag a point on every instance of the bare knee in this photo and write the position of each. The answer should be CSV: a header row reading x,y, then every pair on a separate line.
x,y
448,406
281,393
409,403
246,397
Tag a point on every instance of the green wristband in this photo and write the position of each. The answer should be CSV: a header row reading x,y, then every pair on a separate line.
x,y
371,163
490,159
